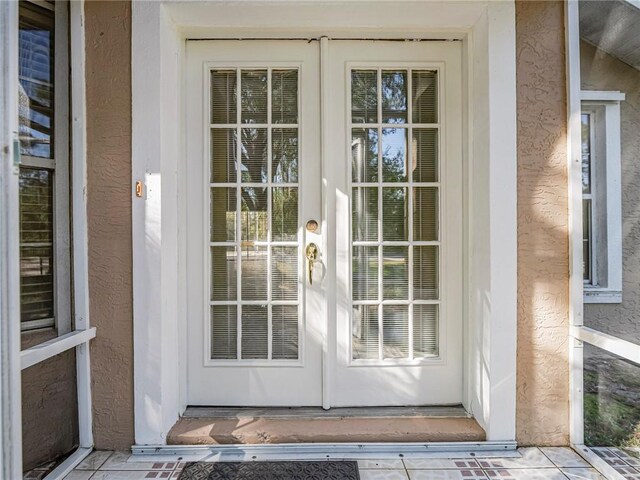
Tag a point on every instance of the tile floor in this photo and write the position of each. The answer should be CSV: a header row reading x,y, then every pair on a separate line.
x,y
526,464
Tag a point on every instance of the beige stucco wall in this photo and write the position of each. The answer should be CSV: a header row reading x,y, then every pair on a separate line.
x,y
108,77
542,374
604,72
543,282
49,405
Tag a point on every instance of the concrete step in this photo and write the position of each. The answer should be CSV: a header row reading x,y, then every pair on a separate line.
x,y
224,425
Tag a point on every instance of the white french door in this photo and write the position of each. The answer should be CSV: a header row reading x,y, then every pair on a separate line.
x,y
378,320
253,153
396,178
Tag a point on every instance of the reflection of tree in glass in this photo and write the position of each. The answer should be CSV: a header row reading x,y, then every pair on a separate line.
x,y
364,155
254,213
394,97
364,96
394,213
254,96
284,96
284,213
285,155
394,155
254,155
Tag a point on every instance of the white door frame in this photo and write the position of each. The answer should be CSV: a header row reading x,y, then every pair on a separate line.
x,y
487,30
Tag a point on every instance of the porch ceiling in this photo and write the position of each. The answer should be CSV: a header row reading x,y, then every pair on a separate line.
x,y
613,26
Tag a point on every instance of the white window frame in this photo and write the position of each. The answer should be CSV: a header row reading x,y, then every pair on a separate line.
x,y
606,194
59,167
14,360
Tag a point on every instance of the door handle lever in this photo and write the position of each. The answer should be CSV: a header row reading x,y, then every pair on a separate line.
x,y
312,252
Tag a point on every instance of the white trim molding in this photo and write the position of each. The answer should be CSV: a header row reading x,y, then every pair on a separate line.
x,y
602,95
159,33
55,346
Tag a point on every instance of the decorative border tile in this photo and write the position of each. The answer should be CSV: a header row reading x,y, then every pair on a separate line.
x,y
440,463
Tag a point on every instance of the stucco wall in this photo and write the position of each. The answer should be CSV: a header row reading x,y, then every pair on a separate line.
x,y
604,72
49,405
543,282
108,77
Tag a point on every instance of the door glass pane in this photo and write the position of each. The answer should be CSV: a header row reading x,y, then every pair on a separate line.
x,y
284,273
365,332
284,96
253,218
254,215
425,213
254,96
425,330
254,155
365,213
425,273
284,163
424,163
224,91
284,213
254,272
395,214
365,273
284,322
255,332
424,96
224,332
224,273
395,331
223,155
394,96
223,214
394,154
364,96
364,155
395,273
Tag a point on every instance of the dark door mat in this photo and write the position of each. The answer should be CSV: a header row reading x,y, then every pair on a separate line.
x,y
329,470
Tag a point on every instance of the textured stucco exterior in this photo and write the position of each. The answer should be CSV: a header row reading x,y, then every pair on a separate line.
x,y
108,84
543,268
49,405
543,297
601,71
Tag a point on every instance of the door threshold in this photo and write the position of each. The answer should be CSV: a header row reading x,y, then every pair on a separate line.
x,y
317,451
453,411
252,426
